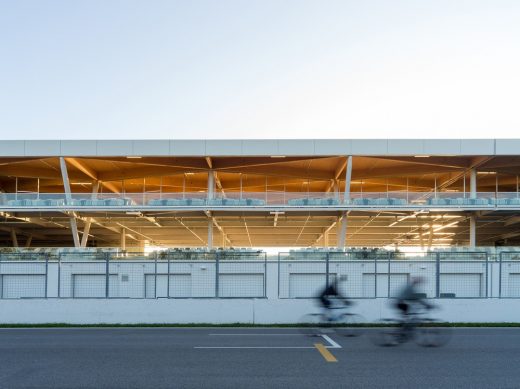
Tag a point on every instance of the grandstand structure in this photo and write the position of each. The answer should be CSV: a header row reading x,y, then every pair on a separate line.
x,y
259,193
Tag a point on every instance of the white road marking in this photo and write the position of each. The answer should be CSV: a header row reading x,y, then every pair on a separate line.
x,y
257,335
332,344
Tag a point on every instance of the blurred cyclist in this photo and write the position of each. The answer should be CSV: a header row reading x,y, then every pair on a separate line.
x,y
331,297
409,300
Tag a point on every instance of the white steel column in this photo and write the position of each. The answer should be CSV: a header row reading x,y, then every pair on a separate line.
x,y
472,231
86,229
28,241
473,183
326,239
211,184
210,233
348,177
66,186
342,232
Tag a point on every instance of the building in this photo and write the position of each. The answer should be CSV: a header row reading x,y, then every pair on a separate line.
x,y
259,193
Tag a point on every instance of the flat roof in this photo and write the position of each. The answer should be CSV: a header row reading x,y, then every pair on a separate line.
x,y
260,147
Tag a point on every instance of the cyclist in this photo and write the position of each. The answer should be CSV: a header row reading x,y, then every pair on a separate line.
x,y
331,296
409,299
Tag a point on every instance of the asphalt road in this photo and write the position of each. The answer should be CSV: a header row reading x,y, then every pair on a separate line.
x,y
278,358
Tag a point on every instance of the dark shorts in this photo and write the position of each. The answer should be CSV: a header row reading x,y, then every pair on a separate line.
x,y
403,307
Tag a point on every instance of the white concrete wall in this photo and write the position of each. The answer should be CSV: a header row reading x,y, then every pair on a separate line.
x,y
219,311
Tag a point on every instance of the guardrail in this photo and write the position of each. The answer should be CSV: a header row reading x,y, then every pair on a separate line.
x,y
260,199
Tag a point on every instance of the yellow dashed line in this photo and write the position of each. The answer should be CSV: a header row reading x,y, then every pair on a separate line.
x,y
325,353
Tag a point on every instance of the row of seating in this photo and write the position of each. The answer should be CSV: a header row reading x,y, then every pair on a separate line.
x,y
384,201
468,201
201,202
74,202
313,201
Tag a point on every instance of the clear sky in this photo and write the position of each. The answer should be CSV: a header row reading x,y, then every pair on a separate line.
x,y
259,69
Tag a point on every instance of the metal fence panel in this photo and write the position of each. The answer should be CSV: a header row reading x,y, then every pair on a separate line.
x,y
509,274
21,277
463,274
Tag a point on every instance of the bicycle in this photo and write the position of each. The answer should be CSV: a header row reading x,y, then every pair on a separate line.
x,y
425,331
333,319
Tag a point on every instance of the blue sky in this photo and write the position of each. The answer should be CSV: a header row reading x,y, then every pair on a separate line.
x,y
259,69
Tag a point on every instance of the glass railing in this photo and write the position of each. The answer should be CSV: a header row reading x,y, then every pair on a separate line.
x,y
262,199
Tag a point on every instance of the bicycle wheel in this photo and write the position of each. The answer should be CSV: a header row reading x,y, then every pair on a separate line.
x,y
430,334
349,324
387,334
311,324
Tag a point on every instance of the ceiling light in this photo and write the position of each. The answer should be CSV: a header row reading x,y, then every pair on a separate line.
x,y
189,173
134,157
277,156
81,183
486,172
421,156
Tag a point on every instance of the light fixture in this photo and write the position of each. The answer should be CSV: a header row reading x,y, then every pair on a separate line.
x,y
81,183
189,173
134,157
485,173
421,156
277,156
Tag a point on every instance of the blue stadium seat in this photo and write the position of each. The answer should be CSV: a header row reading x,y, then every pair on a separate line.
x,y
297,202
196,202
156,202
437,201
55,202
360,201
255,202
114,202
15,203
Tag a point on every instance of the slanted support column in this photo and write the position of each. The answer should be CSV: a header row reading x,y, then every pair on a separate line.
x,y
210,233
68,197
211,184
28,241
472,231
342,232
348,178
86,229
122,239
14,238
473,184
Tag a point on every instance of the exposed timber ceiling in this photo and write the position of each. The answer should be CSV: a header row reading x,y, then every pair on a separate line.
x,y
260,174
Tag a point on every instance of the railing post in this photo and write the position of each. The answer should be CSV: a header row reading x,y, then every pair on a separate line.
x,y
326,270
59,275
375,276
487,276
217,260
168,280
279,254
389,254
265,275
500,276
155,277
46,272
437,274
107,274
